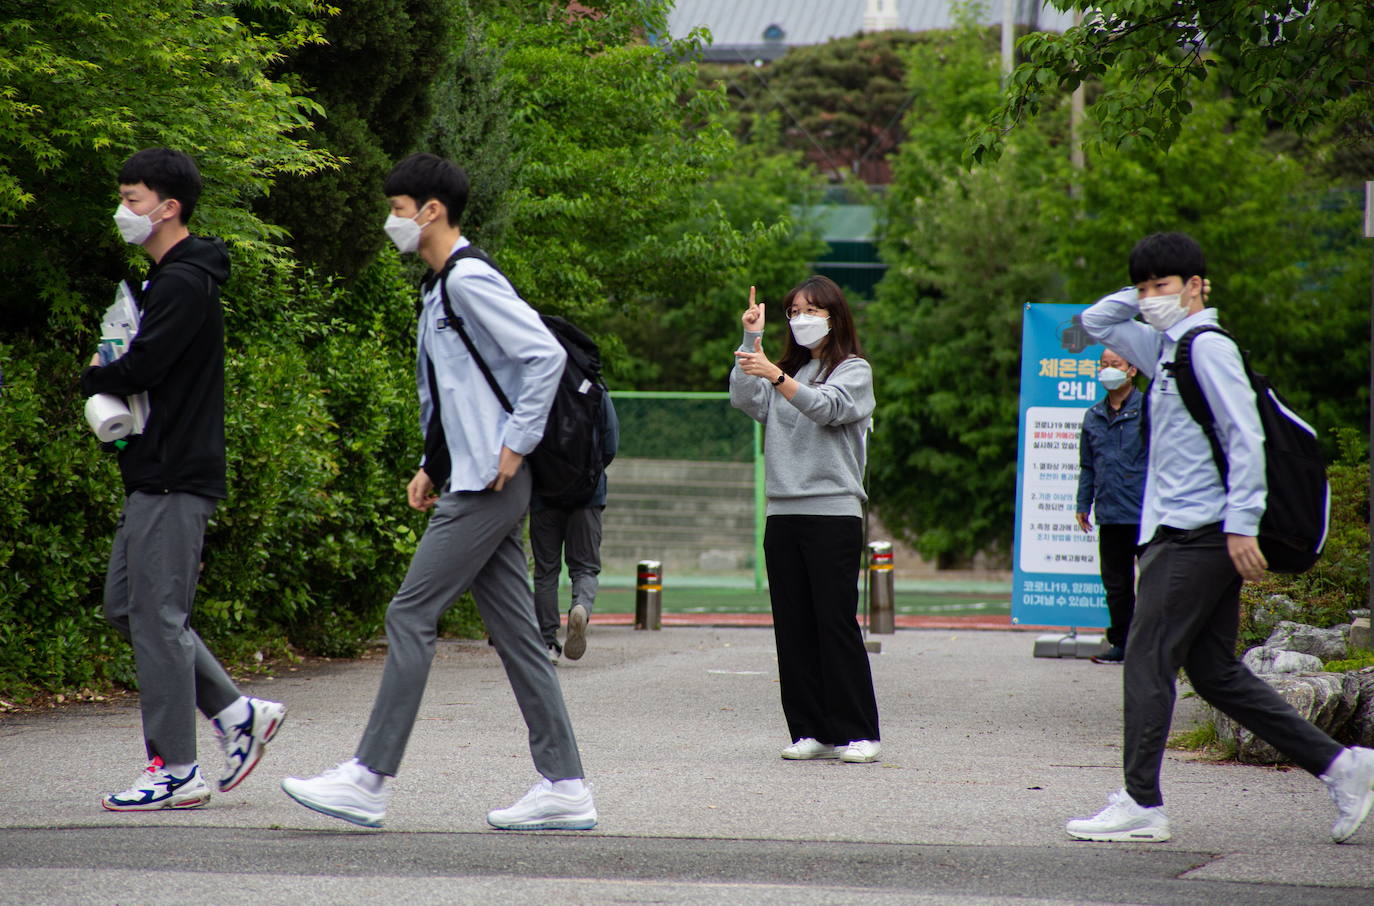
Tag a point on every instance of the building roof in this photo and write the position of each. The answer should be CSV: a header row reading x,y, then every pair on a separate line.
x,y
765,29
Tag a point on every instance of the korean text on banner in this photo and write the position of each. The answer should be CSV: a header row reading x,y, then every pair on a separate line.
x,y
1055,578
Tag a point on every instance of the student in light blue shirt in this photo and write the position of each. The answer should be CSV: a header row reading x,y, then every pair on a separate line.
x,y
1201,535
476,486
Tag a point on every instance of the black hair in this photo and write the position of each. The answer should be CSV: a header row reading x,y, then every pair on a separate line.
x,y
842,341
424,177
169,173
1167,255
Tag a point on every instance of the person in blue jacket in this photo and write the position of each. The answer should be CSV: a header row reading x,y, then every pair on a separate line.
x,y
1111,483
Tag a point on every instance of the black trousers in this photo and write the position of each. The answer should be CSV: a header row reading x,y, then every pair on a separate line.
x,y
813,581
1187,615
1117,546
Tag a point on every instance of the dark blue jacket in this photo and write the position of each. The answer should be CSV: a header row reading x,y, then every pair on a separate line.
x,y
1111,463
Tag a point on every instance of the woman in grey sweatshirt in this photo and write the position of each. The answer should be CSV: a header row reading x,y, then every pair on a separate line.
x,y
816,406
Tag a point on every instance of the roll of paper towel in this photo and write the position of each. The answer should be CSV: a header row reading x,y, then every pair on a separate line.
x,y
108,417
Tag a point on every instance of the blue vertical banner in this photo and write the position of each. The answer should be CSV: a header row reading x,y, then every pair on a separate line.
x,y
1055,578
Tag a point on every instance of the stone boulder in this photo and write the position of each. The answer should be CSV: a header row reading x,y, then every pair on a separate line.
x,y
1271,610
1281,660
1327,644
1329,700
1360,730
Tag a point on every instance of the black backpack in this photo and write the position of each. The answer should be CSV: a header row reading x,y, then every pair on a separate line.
x,y
1297,510
568,462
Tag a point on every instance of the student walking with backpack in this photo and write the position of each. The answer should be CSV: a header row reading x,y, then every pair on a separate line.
x,y
1201,525
571,530
475,335
816,406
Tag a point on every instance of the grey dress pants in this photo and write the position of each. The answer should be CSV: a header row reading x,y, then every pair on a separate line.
x,y
150,586
572,535
473,540
1187,614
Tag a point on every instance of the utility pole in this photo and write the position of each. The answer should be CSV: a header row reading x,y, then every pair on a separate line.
x,y
1369,234
1008,32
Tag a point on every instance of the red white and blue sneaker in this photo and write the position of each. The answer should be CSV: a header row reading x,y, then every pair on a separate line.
x,y
243,743
156,789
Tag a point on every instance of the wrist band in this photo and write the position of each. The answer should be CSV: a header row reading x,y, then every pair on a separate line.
x,y
782,376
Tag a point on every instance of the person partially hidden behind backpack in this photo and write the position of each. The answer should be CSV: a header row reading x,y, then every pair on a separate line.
x,y
1202,536
571,533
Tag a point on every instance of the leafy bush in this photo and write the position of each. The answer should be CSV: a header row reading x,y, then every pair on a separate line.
x,y
58,498
322,434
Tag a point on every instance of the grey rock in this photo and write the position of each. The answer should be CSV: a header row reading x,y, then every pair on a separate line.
x,y
1328,700
1361,635
1327,644
1274,608
1360,730
1281,660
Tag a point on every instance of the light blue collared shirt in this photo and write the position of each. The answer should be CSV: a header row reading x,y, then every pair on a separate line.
x,y
1182,486
522,354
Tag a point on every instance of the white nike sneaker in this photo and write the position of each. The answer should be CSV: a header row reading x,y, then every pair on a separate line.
x,y
1122,821
1350,781
544,808
348,791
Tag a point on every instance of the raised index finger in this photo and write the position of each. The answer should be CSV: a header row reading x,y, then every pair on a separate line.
x,y
751,297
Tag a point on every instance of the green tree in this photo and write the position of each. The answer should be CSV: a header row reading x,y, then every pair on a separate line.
x,y
966,248
842,101
1301,63
82,88
374,77
765,197
614,140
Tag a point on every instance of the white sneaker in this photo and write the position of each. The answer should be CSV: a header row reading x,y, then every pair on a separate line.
x,y
156,789
242,744
807,748
575,645
343,792
1122,821
554,652
1350,781
544,808
862,751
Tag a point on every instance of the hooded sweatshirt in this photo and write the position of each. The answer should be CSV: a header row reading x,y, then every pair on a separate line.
x,y
178,358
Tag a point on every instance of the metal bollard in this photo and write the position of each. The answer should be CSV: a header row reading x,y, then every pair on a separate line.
x,y
880,601
649,595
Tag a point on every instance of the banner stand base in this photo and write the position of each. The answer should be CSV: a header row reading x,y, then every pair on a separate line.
x,y
1070,645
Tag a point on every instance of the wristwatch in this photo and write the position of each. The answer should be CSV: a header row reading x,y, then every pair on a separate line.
x,y
782,376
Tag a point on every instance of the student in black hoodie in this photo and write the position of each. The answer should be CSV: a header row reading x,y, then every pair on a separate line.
x,y
173,478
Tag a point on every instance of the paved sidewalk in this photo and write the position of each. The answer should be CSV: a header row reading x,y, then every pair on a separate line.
x,y
986,752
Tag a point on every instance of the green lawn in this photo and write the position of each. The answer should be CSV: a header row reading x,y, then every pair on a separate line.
x,y
742,600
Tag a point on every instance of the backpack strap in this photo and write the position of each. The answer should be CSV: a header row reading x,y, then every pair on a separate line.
x,y
470,251
1193,398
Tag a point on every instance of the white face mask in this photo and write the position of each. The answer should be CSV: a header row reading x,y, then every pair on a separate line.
x,y
1163,312
404,232
1112,378
135,228
809,330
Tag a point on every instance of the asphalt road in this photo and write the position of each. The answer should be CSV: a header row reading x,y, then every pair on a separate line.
x,y
987,751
